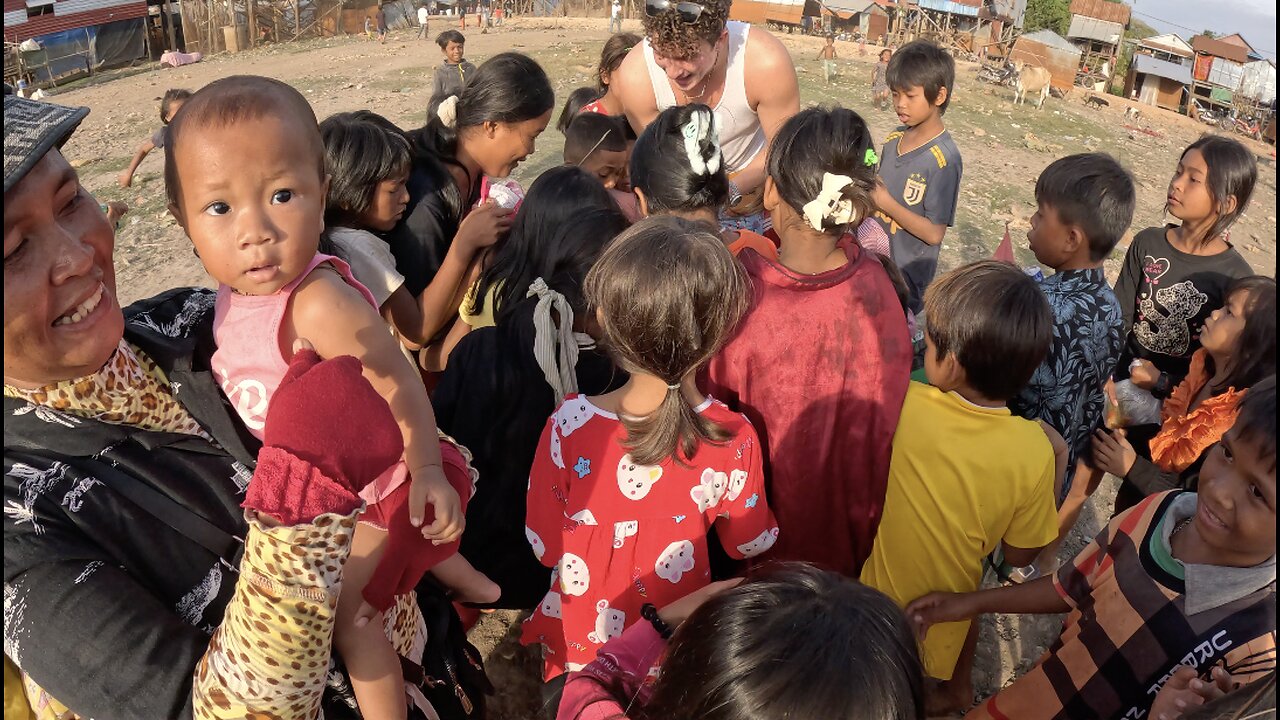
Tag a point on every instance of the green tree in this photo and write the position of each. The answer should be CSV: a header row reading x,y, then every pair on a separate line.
x,y
1053,15
1209,33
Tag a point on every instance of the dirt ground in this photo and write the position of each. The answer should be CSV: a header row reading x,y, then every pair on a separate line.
x,y
1004,148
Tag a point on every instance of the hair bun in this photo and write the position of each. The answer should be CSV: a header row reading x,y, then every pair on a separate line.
x,y
699,133
448,111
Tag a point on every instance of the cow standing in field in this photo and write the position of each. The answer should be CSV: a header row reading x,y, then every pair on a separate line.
x,y
1030,79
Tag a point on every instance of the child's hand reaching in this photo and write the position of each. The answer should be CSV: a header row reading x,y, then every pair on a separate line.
x,y
1112,452
1143,374
1185,690
429,485
939,607
482,228
880,195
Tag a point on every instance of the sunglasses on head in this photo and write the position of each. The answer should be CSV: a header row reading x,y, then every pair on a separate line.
x,y
689,12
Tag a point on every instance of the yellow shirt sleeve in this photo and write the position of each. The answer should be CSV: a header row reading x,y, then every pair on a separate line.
x,y
1035,522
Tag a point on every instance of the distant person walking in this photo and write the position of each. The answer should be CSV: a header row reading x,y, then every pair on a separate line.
x,y
615,16
381,19
424,15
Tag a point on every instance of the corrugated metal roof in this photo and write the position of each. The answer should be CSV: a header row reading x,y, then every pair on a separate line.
x,y
849,7
1162,68
1169,43
1116,12
1217,48
1053,40
1094,29
952,7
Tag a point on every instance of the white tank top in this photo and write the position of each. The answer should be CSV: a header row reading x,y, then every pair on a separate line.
x,y
741,137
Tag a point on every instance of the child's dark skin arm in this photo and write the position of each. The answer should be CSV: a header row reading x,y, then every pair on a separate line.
x,y
1019,557
1037,596
126,176
918,225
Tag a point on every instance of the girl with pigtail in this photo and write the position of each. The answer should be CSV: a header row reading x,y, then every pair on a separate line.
x,y
483,132
820,364
625,486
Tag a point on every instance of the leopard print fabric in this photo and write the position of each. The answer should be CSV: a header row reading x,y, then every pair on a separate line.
x,y
129,390
270,656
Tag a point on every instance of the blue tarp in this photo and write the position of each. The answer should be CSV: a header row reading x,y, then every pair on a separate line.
x,y
1148,65
83,49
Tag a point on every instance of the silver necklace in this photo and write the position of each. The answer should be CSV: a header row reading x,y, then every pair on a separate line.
x,y
1178,528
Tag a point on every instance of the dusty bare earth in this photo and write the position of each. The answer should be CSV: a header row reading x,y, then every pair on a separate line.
x,y
1004,148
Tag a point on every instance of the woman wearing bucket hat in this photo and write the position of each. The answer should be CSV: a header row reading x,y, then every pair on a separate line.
x,y
149,572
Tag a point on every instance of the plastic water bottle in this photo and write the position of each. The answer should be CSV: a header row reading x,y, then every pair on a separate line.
x,y
1035,272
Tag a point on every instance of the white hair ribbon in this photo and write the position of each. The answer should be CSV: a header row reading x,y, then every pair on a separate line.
x,y
448,111
831,203
701,128
555,348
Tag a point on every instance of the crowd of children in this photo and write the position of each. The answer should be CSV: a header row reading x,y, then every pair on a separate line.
x,y
646,405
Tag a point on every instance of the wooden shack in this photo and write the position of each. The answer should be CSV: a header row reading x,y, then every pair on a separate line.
x,y
1049,50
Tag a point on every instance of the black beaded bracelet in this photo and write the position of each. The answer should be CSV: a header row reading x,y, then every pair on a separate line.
x,y
650,613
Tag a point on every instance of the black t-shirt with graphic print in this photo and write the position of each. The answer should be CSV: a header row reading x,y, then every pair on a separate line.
x,y
1166,295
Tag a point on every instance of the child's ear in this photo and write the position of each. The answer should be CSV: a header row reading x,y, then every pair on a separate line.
x,y
490,128
1075,239
642,201
771,199
943,93
176,212
604,78
1229,206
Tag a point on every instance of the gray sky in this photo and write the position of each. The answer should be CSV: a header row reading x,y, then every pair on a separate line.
x,y
1254,19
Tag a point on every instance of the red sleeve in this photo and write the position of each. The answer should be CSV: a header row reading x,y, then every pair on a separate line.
x,y
745,524
547,498
622,663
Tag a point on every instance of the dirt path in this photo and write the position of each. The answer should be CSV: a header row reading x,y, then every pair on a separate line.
x,y
1004,149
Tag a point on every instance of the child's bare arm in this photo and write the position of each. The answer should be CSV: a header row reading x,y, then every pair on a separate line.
x,y
339,321
421,319
1037,596
918,225
126,175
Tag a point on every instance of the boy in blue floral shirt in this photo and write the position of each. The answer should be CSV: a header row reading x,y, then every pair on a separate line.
x,y
1085,204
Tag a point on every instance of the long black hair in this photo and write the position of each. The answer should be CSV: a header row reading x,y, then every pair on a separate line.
x,y
1254,357
506,88
1233,171
796,643
661,167
564,222
817,141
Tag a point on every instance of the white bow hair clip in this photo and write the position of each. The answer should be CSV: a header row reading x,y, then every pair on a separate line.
x,y
831,203
701,126
448,111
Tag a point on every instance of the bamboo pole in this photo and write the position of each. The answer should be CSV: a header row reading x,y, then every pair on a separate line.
x,y
251,9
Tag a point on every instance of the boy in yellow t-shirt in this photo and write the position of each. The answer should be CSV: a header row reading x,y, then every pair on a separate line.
x,y
967,476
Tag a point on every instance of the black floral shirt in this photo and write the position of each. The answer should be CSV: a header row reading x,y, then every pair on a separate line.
x,y
1066,390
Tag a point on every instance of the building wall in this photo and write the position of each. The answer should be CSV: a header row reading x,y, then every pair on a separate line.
x,y
1060,63
67,15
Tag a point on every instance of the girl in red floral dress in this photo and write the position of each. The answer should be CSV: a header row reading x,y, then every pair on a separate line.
x,y
625,486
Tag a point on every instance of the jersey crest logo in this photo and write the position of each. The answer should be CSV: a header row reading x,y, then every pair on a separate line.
x,y
913,193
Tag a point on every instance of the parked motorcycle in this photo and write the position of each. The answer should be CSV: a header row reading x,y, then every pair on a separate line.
x,y
1002,74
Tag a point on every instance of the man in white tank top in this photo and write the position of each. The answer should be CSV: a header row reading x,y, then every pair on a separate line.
x,y
693,53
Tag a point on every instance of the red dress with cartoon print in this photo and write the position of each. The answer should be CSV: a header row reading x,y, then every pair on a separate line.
x,y
620,535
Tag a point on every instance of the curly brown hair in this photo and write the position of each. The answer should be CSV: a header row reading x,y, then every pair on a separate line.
x,y
672,37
